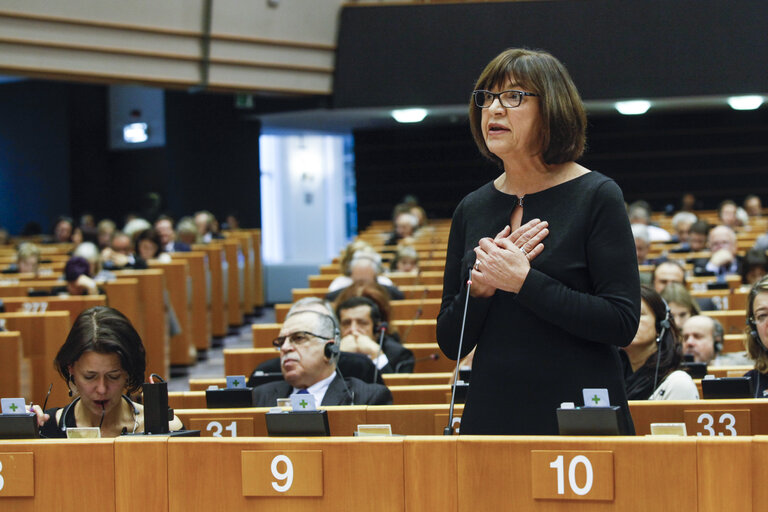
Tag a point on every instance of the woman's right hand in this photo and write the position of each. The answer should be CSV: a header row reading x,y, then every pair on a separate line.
x,y
42,417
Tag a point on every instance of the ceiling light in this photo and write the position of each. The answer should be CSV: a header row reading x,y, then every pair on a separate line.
x,y
745,102
135,133
633,107
409,115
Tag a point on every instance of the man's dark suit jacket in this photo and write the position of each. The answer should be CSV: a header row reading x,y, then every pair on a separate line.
x,y
266,395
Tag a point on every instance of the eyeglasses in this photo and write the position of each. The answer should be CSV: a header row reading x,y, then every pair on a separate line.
x,y
297,338
508,99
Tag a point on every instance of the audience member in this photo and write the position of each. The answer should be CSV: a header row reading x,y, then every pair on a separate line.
x,y
27,260
688,202
102,358
642,243
697,239
726,212
753,205
640,213
754,266
361,319
120,254
78,278
757,336
186,231
681,223
148,246
724,260
168,242
681,304
62,231
104,231
671,271
703,338
308,358
135,226
365,267
406,260
90,253
654,355
207,227
405,227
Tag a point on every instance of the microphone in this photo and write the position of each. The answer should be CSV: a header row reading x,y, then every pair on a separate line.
x,y
430,357
419,312
448,430
350,394
382,330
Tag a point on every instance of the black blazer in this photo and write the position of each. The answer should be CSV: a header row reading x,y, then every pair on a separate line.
x,y
266,395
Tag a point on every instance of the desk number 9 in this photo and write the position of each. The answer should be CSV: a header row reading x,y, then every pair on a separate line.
x,y
286,476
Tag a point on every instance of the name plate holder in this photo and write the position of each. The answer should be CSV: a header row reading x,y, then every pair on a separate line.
x,y
224,426
286,473
714,422
17,475
572,475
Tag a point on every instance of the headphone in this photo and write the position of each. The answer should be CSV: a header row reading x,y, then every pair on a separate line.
x,y
718,333
70,407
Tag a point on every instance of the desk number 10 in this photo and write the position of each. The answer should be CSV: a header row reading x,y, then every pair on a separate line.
x,y
559,465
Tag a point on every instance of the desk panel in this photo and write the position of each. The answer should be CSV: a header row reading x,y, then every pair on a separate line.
x,y
365,474
496,473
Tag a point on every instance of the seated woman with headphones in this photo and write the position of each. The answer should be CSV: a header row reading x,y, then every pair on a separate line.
x,y
655,355
757,335
102,358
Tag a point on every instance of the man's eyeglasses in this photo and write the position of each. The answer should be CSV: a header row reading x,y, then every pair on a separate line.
x,y
508,99
297,338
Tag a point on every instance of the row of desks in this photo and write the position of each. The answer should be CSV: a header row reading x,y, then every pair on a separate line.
x,y
456,473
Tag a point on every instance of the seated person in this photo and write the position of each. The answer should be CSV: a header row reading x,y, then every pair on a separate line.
x,y
27,260
697,238
105,229
703,338
356,251
90,252
62,230
349,364
753,206
681,304
727,213
673,272
186,231
640,214
149,247
724,260
77,274
119,255
360,319
642,244
681,223
405,227
102,358
308,359
654,355
754,266
406,260
168,242
757,336
365,268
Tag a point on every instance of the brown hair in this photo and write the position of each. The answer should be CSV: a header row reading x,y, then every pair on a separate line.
x,y
755,348
563,122
373,291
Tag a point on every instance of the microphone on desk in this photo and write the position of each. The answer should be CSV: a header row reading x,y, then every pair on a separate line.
x,y
448,430
419,312
382,330
430,357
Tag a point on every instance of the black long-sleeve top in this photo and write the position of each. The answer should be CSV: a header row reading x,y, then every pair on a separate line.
x,y
560,333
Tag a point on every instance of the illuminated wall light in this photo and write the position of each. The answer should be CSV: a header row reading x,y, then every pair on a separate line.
x,y
409,115
745,102
633,107
135,133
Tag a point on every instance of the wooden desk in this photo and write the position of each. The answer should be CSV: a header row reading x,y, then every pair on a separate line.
x,y
200,317
218,299
15,377
728,417
73,305
42,335
182,350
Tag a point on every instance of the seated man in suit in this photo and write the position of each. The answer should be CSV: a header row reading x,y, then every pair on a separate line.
x,y
672,272
365,268
308,345
360,319
168,242
724,260
703,338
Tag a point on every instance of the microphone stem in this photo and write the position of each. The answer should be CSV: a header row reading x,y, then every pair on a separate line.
x,y
449,428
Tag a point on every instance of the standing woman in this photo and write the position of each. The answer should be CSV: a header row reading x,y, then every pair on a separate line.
x,y
547,318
